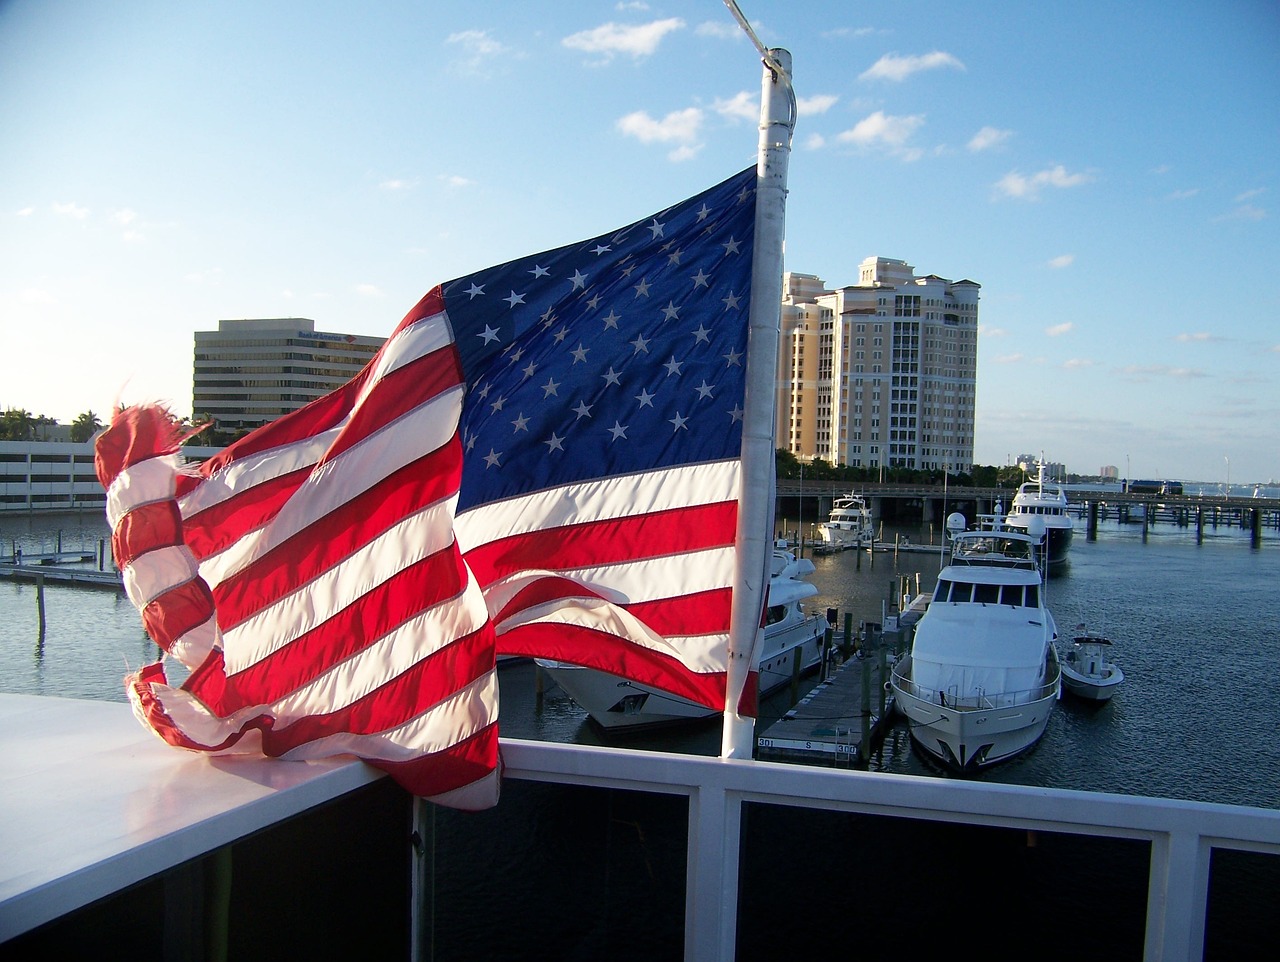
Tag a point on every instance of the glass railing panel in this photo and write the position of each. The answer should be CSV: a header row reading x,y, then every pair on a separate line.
x,y
558,872
900,887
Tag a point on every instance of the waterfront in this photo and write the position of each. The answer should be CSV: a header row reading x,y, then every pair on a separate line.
x,y
587,872
1189,622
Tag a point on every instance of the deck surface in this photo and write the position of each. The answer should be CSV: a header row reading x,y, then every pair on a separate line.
x,y
91,802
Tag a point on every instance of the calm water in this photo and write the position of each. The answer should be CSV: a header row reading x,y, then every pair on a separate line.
x,y
1193,627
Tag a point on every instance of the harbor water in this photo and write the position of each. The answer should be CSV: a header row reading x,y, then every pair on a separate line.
x,y
1193,628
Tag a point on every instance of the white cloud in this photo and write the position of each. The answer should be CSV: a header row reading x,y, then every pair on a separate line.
x,y
1076,363
25,212
681,126
986,331
988,137
1009,359
743,105
1015,184
893,67
397,183
368,290
1250,194
817,104
70,209
815,142
852,32
1059,329
632,5
1142,372
881,129
1183,194
1198,337
610,39
1061,261
456,181
124,216
1243,212
478,49
721,30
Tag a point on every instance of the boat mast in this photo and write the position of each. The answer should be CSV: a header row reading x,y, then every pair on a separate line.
x,y
759,482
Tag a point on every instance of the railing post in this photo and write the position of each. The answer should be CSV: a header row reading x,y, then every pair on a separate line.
x,y
711,881
1177,897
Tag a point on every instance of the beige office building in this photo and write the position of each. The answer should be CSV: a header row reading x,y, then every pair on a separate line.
x,y
249,372
880,373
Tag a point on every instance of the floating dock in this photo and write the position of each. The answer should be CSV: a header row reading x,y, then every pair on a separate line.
x,y
838,722
843,719
55,575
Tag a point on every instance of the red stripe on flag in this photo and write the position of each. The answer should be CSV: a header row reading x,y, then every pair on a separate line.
x,y
384,607
335,536
397,393
221,525
461,764
408,695
610,541
146,528
175,612
700,613
584,646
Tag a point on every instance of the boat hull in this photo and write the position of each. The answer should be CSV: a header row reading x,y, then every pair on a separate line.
x,y
1057,542
1092,687
620,704
974,733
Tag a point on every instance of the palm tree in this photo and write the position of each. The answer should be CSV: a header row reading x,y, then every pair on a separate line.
x,y
17,424
85,426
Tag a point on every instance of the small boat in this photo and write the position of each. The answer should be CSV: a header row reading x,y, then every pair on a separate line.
x,y
1048,502
982,676
790,635
849,525
1087,669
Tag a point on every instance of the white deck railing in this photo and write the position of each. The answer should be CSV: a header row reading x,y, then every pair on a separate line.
x,y
1182,835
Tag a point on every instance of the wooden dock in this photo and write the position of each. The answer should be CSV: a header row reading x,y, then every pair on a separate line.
x,y
841,721
57,575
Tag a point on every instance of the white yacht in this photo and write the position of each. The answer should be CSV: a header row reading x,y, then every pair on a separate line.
x,y
982,675
1048,502
849,524
790,634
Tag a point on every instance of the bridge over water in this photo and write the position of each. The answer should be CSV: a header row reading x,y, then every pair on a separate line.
x,y
925,504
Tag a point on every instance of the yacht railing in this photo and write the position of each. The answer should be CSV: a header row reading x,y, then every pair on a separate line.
x,y
1007,699
1182,836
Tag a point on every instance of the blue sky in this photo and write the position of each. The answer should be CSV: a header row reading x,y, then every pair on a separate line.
x,y
1109,173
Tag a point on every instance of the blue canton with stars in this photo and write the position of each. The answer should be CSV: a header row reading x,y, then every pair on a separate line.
x,y
617,355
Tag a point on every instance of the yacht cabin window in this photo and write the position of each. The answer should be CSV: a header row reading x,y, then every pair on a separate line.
x,y
986,594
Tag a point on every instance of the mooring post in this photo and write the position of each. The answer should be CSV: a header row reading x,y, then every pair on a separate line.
x,y
40,601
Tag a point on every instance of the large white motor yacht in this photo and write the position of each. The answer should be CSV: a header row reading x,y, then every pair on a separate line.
x,y
982,675
849,524
1047,501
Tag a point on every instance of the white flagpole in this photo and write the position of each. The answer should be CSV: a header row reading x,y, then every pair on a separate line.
x,y
756,504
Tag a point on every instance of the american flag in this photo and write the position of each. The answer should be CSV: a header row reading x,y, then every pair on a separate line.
x,y
543,460
602,431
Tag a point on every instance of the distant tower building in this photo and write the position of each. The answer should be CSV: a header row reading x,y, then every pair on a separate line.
x,y
1030,464
881,373
250,372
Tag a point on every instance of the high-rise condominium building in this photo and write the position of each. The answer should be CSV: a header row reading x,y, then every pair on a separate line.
x,y
881,373
249,372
